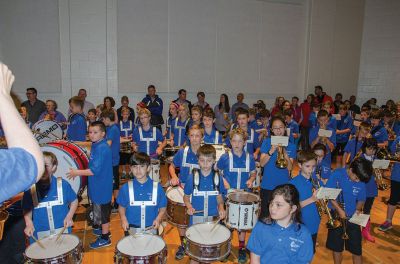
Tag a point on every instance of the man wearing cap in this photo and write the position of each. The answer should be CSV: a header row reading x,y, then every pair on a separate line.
x,y
155,105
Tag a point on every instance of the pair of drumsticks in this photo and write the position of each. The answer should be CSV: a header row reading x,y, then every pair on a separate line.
x,y
57,238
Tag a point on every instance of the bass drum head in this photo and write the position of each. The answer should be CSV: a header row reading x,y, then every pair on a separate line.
x,y
141,245
65,162
52,249
46,131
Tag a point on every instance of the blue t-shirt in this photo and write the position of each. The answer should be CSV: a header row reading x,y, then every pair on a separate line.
x,y
112,133
39,215
206,183
147,140
142,192
214,138
276,244
325,169
309,213
346,122
184,162
252,142
352,192
314,134
395,176
126,128
352,148
179,130
16,161
380,134
230,169
100,185
272,175
76,130
170,127
294,129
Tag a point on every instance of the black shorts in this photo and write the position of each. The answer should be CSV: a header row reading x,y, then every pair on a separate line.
x,y
116,177
101,213
335,242
394,193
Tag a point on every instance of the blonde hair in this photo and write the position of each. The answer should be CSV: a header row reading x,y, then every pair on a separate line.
x,y
51,156
238,131
144,111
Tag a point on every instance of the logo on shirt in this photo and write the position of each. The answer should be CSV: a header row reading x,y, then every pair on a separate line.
x,y
295,244
356,190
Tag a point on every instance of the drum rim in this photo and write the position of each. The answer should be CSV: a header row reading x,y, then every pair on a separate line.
x,y
80,245
74,147
172,201
209,245
209,259
245,203
140,257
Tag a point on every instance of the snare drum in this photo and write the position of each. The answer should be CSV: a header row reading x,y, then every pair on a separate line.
x,y
46,131
176,209
141,248
169,153
155,170
69,155
206,245
68,249
242,210
125,145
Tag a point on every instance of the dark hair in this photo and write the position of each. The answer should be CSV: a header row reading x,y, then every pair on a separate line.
x,y
108,114
124,98
151,86
304,156
288,112
362,168
291,196
242,111
139,158
366,107
369,143
207,150
181,91
375,114
32,89
319,87
276,118
320,146
322,113
265,113
54,103
76,100
201,94
93,111
209,113
98,124
295,97
226,105
339,94
112,101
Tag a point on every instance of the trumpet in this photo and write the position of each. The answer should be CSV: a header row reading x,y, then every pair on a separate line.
x,y
281,162
382,153
379,179
343,221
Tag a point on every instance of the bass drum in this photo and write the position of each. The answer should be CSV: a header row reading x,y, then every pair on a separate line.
x,y
46,131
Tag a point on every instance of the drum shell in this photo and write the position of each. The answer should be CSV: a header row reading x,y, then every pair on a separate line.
x,y
176,213
236,214
156,258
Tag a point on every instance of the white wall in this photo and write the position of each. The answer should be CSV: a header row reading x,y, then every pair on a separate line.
x,y
380,53
263,48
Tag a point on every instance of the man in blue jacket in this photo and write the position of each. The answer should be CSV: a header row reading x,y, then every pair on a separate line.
x,y
155,105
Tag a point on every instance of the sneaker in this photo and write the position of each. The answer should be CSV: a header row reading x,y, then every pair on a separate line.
x,y
385,226
242,256
97,232
180,253
100,243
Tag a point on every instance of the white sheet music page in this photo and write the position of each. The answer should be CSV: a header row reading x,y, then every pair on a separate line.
x,y
279,141
361,219
324,133
328,193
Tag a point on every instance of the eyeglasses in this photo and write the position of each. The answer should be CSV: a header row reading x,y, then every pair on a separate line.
x,y
278,128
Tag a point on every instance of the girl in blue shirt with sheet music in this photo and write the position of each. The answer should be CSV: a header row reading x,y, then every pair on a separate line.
x,y
281,237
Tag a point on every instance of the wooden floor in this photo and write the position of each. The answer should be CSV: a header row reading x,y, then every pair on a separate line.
x,y
386,249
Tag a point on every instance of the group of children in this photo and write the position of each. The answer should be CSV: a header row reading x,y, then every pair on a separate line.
x,y
289,218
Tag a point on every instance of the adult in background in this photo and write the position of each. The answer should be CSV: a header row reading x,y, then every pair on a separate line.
x,y
221,111
86,104
239,103
33,105
155,105
51,113
296,109
125,103
304,122
201,101
338,101
354,109
182,99
278,105
321,96
108,105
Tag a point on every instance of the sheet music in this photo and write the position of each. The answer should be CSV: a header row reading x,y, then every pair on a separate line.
x,y
361,219
380,164
279,141
324,133
337,116
328,193
288,131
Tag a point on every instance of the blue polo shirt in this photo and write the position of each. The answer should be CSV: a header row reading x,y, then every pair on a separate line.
x,y
325,169
206,183
142,144
380,134
211,138
294,128
224,164
309,213
16,161
112,133
126,128
170,126
314,134
352,192
252,141
313,119
276,244
76,130
352,148
142,192
332,122
39,215
180,163
272,175
100,163
346,122
395,176
179,126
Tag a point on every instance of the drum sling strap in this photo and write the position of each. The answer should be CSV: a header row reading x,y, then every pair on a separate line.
x,y
239,170
49,205
142,204
205,194
180,129
125,129
191,166
250,140
147,140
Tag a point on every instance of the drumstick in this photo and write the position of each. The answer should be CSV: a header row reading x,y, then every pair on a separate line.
x,y
215,225
59,234
198,211
38,242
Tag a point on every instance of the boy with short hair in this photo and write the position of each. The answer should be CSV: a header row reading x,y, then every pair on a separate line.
x,y
292,125
378,131
323,167
354,144
126,127
141,191
343,129
91,117
100,183
76,130
211,135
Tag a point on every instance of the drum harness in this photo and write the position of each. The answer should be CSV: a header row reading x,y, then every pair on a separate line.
x,y
239,170
216,136
126,129
180,129
49,207
251,140
142,204
148,140
191,166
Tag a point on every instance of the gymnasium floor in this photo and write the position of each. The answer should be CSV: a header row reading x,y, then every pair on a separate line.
x,y
385,250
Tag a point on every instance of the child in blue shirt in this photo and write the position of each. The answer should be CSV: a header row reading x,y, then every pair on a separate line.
x,y
100,183
323,167
353,146
272,175
113,140
281,237
351,181
204,184
40,220
169,125
76,130
316,107
292,125
179,126
126,127
378,131
211,135
239,172
307,187
343,129
142,190
147,138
